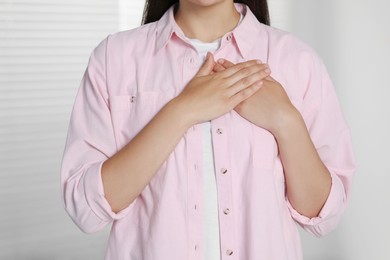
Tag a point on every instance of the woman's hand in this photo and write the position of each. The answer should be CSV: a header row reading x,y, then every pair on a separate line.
x,y
211,94
269,107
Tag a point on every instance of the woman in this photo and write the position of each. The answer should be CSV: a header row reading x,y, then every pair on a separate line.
x,y
213,157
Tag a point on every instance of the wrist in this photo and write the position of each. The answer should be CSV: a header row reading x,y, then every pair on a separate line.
x,y
177,108
287,123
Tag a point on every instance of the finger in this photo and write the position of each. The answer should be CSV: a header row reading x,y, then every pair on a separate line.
x,y
270,78
225,63
222,64
239,66
207,66
218,67
246,77
245,94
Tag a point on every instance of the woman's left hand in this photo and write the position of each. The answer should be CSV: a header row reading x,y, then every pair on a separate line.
x,y
269,107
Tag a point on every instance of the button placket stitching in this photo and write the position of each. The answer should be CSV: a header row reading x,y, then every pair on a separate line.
x,y
224,187
195,179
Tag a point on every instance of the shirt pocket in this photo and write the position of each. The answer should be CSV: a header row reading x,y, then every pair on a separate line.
x,y
131,113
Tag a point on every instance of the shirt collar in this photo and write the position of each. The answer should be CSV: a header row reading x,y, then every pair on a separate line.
x,y
166,26
242,33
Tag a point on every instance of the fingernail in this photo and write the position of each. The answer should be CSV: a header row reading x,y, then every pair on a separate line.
x,y
208,55
221,61
259,62
267,70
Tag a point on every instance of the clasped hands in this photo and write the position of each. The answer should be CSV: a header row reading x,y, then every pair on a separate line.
x,y
246,87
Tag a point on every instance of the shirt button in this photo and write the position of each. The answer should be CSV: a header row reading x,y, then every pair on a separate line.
x,y
195,206
219,131
132,99
229,252
196,247
226,211
229,37
224,170
192,60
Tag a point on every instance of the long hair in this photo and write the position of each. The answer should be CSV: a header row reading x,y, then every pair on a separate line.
x,y
154,9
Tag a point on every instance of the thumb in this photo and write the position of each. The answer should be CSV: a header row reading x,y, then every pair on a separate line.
x,y
270,78
207,66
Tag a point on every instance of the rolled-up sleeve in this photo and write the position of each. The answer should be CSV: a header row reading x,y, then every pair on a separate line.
x,y
89,143
331,137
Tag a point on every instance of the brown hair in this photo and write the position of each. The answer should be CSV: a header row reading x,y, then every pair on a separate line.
x,y
154,9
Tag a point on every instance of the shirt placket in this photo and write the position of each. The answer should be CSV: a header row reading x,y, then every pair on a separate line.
x,y
220,139
224,187
193,138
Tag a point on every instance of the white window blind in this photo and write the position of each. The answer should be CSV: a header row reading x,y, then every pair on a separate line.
x,y
44,50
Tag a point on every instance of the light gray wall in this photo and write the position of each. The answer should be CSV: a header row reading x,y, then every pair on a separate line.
x,y
353,37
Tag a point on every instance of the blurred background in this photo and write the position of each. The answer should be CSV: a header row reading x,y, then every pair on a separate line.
x,y
44,50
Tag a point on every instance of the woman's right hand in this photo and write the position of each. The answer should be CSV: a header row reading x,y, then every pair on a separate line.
x,y
211,94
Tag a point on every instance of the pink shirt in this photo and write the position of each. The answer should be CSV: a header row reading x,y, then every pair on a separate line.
x,y
131,75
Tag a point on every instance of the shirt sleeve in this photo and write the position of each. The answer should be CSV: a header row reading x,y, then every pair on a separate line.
x,y
331,137
89,143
